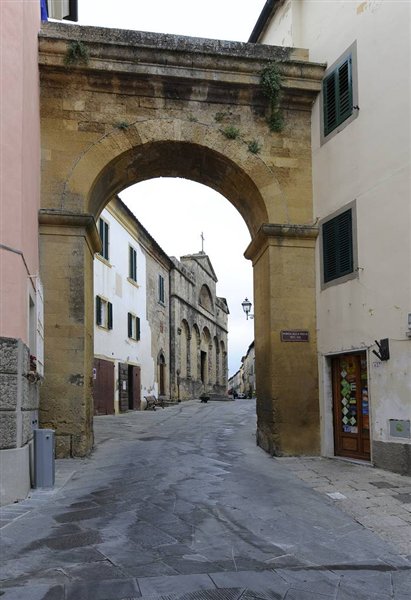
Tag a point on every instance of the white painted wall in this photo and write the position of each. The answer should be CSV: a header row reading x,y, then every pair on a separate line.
x,y
111,283
367,162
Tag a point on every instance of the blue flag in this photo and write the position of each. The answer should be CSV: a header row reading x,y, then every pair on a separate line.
x,y
44,15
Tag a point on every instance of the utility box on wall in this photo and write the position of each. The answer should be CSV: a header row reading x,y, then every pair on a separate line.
x,y
44,458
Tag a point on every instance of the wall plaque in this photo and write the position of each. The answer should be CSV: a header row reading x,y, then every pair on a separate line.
x,y
294,335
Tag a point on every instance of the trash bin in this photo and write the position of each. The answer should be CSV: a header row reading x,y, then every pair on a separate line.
x,y
44,466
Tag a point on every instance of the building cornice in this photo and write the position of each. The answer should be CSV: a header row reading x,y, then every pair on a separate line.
x,y
58,222
140,58
275,234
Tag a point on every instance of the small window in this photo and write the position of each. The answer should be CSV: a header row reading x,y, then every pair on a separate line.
x,y
103,230
337,246
133,327
161,292
132,265
62,9
104,313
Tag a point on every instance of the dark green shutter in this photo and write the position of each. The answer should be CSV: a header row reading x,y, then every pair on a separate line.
x,y
103,230
130,325
344,79
98,310
338,96
106,240
330,103
345,250
109,315
133,264
137,328
337,242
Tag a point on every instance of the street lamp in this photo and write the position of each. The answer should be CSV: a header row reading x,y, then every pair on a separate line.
x,y
246,304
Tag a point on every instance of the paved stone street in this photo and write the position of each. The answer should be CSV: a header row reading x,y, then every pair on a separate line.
x,y
180,503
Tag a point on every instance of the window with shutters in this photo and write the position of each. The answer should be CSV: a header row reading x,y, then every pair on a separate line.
x,y
161,291
133,326
103,228
104,313
132,264
62,9
340,93
338,247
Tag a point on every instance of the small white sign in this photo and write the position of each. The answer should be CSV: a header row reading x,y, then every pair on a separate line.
x,y
336,496
124,385
94,373
377,364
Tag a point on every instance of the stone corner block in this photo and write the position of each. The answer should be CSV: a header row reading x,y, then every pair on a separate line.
x,y
8,430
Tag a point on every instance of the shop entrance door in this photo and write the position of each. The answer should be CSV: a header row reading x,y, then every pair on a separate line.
x,y
350,406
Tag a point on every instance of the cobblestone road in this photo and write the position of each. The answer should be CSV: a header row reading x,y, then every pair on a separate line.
x,y
181,504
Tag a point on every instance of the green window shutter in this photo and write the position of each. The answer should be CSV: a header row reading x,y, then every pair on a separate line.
x,y
137,328
337,241
338,96
130,325
109,315
103,230
329,251
106,240
330,103
345,248
345,90
98,310
132,264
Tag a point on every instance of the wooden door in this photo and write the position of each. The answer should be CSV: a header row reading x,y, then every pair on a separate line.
x,y
351,406
134,387
123,386
103,387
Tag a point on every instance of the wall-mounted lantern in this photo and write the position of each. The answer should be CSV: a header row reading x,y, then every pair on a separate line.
x,y
246,304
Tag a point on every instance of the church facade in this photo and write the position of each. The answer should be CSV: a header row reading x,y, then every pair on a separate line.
x,y
198,329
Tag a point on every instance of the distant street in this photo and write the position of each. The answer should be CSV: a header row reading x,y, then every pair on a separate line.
x,y
181,503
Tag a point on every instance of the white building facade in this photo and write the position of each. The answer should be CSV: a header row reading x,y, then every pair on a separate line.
x,y
361,141
122,334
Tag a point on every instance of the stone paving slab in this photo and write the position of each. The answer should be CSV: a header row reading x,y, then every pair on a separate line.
x,y
181,505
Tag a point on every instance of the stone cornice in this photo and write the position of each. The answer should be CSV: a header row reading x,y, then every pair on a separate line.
x,y
56,222
158,56
281,235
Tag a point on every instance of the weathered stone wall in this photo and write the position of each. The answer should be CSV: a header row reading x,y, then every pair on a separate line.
x,y
195,327
18,409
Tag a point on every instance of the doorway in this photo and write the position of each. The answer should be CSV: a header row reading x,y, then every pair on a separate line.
x,y
351,406
103,387
134,387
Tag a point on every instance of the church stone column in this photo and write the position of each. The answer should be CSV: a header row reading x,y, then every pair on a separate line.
x,y
67,246
285,339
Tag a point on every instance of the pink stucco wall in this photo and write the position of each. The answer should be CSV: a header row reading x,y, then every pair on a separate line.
x,y
19,162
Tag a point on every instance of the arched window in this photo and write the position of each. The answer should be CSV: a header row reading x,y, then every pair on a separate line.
x,y
206,299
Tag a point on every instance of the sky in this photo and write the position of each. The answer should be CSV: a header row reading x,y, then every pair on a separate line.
x,y
189,209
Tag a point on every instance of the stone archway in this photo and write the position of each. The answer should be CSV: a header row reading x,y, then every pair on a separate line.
x,y
146,105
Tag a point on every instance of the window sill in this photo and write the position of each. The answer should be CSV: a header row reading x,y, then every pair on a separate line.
x,y
133,282
103,260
